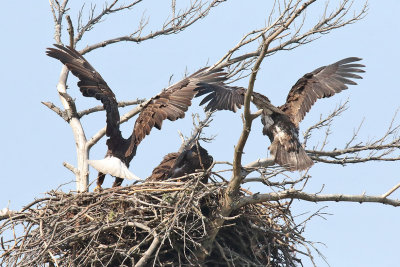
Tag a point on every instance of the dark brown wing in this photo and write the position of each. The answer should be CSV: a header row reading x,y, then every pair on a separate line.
x,y
222,97
162,171
322,82
91,84
191,160
172,103
176,165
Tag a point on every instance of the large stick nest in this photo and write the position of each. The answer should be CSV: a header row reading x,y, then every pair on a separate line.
x,y
151,224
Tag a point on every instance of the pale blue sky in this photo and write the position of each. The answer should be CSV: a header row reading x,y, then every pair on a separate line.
x,y
36,141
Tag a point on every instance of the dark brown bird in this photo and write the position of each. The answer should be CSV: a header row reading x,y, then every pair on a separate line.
x,y
171,104
179,164
281,124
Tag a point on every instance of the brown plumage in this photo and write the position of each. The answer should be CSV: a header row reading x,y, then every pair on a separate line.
x,y
281,123
178,164
171,104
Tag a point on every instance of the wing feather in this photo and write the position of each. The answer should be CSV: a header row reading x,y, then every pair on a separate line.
x,y
161,172
91,84
172,103
322,82
222,97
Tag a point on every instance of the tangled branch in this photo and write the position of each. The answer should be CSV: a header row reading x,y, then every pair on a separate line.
x,y
159,223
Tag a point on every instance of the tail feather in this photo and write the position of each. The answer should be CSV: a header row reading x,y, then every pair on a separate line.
x,y
113,166
293,160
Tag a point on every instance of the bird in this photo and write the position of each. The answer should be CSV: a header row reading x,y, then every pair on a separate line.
x,y
171,103
281,123
178,164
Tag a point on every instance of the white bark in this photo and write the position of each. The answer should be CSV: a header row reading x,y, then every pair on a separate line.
x,y
82,170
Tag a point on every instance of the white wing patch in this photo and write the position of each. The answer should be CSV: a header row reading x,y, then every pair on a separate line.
x,y
281,135
113,166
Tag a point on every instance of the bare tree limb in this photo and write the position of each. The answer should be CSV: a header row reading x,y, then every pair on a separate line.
x,y
232,190
57,110
388,193
235,182
381,149
179,22
71,168
196,132
82,29
295,194
290,38
124,118
121,104
70,31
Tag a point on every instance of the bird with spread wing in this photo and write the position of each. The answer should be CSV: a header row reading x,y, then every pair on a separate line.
x,y
281,124
171,104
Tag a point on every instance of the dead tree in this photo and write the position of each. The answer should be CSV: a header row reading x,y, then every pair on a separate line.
x,y
209,243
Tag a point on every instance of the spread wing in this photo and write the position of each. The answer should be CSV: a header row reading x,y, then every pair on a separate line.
x,y
222,97
172,103
91,84
322,82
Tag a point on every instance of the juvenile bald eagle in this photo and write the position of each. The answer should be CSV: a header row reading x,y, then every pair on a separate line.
x,y
281,124
181,163
171,104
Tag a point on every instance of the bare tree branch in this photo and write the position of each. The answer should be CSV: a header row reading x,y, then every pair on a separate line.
x,y
292,36
381,149
232,190
93,20
71,168
57,110
196,132
388,193
179,22
124,118
286,28
70,31
295,194
121,104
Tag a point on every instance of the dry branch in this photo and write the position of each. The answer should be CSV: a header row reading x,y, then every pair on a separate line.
x,y
292,36
170,223
295,194
182,19
148,227
121,104
384,148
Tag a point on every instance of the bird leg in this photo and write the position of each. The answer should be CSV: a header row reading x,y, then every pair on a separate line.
x,y
117,182
100,180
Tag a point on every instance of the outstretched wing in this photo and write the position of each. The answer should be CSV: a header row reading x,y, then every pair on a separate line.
x,y
222,97
172,103
322,82
91,84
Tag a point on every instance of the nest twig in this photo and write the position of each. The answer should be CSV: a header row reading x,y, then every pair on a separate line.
x,y
151,224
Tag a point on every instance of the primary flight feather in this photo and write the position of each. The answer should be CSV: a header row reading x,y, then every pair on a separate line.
x,y
171,103
281,124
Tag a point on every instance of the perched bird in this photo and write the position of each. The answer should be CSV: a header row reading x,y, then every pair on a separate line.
x,y
182,163
281,124
171,103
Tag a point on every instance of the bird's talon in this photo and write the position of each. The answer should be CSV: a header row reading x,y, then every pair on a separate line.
x,y
98,188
